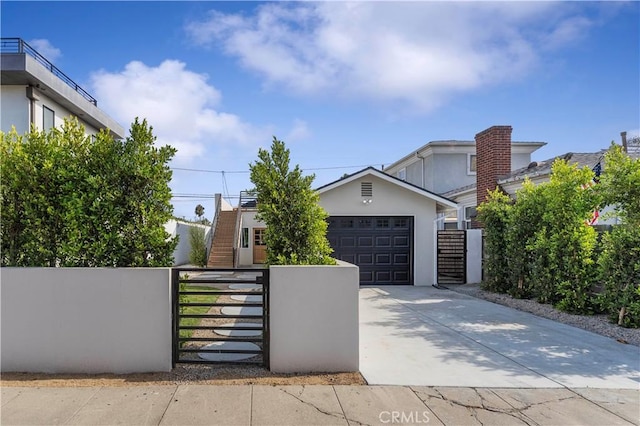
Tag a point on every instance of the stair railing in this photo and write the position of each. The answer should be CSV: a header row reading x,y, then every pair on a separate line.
x,y
236,235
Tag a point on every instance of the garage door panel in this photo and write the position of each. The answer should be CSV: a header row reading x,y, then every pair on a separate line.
x,y
383,241
347,241
401,241
401,276
380,245
383,277
365,241
366,277
347,257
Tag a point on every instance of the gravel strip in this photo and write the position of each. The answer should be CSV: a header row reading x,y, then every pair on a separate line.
x,y
598,324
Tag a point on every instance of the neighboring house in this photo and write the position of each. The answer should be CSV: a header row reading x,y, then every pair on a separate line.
x,y
494,170
384,225
450,168
34,91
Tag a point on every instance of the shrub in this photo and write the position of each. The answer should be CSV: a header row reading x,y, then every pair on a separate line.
x,y
198,253
495,214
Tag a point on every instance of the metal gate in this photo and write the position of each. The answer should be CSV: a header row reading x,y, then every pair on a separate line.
x,y
220,316
452,257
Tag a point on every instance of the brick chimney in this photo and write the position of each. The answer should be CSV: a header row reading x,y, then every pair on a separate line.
x,y
493,158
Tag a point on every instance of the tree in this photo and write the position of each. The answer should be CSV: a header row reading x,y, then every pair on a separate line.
x,y
199,211
69,199
296,223
620,259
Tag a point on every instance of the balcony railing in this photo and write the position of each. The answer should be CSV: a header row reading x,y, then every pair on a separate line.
x,y
17,45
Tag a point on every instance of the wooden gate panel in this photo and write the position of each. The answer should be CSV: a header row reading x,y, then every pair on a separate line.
x,y
452,257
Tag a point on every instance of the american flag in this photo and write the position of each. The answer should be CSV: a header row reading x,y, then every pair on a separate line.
x,y
597,169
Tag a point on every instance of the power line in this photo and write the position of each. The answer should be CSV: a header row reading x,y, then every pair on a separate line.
x,y
183,169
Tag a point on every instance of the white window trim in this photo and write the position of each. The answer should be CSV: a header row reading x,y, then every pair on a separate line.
x,y
402,174
469,171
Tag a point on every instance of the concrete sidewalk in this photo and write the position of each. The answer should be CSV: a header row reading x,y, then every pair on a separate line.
x,y
316,405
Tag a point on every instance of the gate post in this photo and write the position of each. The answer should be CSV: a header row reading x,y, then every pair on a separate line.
x,y
265,318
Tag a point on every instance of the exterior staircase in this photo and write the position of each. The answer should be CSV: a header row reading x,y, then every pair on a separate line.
x,y
221,253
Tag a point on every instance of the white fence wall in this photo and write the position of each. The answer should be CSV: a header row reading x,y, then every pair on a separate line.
x,y
85,320
313,323
474,255
181,229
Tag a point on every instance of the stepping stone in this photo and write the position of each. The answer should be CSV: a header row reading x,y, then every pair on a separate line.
x,y
245,286
248,299
242,310
239,332
236,346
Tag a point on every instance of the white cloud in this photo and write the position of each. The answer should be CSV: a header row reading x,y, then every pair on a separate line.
x,y
299,131
415,53
178,103
46,49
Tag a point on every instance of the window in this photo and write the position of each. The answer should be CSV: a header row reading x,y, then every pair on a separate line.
x,y
472,165
245,238
382,223
48,118
258,237
402,174
470,213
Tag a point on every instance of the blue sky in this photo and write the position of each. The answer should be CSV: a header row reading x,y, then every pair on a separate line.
x,y
343,84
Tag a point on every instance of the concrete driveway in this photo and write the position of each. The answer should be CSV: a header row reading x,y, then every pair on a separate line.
x,y
430,337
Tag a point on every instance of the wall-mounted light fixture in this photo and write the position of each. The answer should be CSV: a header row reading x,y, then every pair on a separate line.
x,y
367,201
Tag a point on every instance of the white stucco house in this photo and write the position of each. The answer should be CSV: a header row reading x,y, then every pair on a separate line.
x,y
35,92
381,223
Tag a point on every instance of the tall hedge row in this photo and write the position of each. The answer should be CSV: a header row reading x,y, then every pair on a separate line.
x,y
541,246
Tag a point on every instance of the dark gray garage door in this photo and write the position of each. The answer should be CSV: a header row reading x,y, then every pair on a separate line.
x,y
380,245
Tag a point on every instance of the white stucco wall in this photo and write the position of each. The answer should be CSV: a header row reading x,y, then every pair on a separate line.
x,y
85,320
474,255
314,318
14,109
248,220
183,249
390,200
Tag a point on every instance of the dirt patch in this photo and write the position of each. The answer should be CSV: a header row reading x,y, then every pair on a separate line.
x,y
183,374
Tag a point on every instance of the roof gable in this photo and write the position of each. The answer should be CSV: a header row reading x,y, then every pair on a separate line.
x,y
390,179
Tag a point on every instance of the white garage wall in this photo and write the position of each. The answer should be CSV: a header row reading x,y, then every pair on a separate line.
x,y
390,200
85,320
